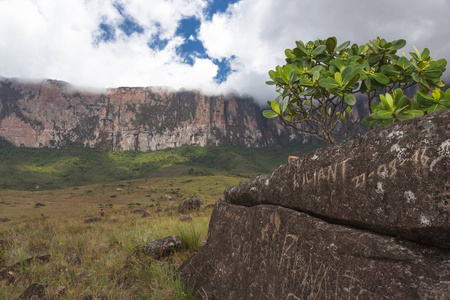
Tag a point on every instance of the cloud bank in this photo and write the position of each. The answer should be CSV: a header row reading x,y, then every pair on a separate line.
x,y
215,46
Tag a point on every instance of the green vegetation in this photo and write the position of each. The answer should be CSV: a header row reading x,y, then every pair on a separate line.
x,y
43,169
97,259
318,83
46,194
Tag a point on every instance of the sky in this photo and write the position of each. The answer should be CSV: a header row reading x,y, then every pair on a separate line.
x,y
216,46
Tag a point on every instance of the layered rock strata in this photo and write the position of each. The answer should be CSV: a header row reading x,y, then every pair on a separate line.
x,y
364,220
53,114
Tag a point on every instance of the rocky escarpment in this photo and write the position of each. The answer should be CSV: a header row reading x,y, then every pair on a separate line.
x,y
369,219
54,114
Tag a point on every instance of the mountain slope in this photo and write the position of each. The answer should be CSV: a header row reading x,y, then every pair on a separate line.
x,y
54,114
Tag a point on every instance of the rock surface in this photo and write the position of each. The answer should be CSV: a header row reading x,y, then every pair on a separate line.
x,y
34,291
92,219
365,220
394,180
53,114
161,248
185,218
190,204
271,252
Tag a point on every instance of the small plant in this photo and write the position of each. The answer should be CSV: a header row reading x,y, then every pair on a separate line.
x,y
182,291
189,236
397,107
318,83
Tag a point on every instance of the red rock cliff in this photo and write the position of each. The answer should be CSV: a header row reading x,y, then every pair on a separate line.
x,y
54,114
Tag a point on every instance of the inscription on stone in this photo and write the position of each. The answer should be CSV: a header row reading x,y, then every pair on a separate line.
x,y
337,172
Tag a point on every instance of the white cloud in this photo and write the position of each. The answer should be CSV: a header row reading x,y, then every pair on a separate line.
x,y
55,39
256,32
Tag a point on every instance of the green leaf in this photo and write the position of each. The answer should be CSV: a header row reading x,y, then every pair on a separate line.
x,y
318,50
316,76
425,54
347,74
418,53
350,99
384,114
354,79
273,74
375,116
445,102
328,83
381,78
437,94
331,44
398,44
367,83
289,53
389,70
432,74
375,106
403,102
369,122
342,46
275,106
339,63
270,83
403,62
374,58
316,69
436,107
270,114
285,105
338,78
407,115
387,100
305,82
414,55
292,77
286,73
424,82
390,101
441,62
416,113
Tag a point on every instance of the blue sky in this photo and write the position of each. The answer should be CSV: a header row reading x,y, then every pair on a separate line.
x,y
188,28
216,46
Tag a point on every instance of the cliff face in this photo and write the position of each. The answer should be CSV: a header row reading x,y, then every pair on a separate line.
x,y
53,114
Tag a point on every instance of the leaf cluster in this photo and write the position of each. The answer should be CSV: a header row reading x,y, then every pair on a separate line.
x,y
318,83
397,107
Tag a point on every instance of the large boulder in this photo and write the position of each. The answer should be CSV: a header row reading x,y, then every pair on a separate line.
x,y
271,252
393,180
365,220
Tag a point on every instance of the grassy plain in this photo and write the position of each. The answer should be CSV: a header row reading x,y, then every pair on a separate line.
x,y
96,260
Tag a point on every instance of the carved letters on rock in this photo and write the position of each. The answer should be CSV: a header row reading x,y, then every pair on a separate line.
x,y
394,180
271,252
365,220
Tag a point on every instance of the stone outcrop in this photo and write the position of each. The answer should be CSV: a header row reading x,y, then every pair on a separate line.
x,y
393,181
54,114
365,220
271,252
161,248
34,291
190,204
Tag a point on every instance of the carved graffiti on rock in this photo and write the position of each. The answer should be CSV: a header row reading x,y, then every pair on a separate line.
x,y
338,171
